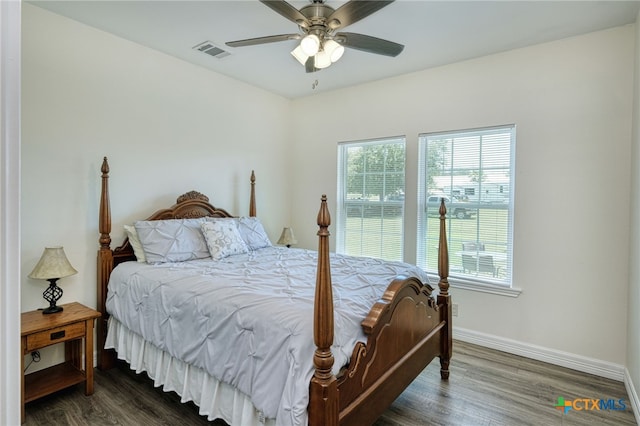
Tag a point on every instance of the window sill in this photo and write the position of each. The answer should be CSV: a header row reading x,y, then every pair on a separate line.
x,y
483,287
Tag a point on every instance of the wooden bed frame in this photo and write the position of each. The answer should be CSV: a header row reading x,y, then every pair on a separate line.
x,y
406,329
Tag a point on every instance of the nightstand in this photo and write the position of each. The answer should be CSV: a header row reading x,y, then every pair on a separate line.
x,y
71,326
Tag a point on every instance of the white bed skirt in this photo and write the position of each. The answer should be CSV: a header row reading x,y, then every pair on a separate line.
x,y
215,399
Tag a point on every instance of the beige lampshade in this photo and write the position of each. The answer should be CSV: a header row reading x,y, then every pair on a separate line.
x,y
52,264
287,238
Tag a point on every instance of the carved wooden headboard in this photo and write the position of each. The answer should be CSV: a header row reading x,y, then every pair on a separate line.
x,y
189,205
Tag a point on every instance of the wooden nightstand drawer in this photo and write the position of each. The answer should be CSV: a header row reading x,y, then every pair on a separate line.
x,y
55,335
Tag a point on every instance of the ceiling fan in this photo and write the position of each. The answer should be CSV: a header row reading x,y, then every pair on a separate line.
x,y
320,43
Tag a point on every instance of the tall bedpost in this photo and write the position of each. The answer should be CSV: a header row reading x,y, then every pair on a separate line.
x,y
323,392
444,299
105,265
252,201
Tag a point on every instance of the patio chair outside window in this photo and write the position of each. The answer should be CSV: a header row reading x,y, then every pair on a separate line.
x,y
481,264
469,264
485,264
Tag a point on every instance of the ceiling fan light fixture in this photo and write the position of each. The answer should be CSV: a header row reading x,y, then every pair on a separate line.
x,y
322,59
310,44
300,55
320,45
333,49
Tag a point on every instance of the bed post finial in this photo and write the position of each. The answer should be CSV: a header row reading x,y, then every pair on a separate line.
x,y
443,253
323,400
444,299
252,201
105,266
105,208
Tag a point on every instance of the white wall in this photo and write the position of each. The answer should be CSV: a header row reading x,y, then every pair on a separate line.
x,y
571,102
167,127
633,323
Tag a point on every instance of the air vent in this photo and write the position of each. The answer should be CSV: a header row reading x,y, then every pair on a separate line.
x,y
212,49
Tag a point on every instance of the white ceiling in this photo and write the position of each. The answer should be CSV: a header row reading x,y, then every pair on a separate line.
x,y
434,33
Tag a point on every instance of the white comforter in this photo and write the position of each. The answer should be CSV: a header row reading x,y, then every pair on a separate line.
x,y
248,319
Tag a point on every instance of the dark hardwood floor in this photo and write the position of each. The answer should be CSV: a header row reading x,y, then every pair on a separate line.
x,y
486,387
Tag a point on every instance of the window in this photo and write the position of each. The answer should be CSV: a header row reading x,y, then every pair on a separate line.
x,y
370,207
473,172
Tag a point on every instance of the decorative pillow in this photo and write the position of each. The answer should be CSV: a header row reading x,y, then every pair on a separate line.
x,y
223,238
172,240
253,233
132,234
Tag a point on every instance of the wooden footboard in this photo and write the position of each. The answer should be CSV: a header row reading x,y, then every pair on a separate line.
x,y
406,330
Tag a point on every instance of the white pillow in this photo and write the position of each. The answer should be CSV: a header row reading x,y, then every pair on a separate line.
x,y
172,240
253,233
223,238
132,234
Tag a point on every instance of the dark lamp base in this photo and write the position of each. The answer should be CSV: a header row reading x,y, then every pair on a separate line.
x,y
52,310
52,294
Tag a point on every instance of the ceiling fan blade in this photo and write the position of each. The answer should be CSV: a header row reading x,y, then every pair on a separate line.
x,y
353,11
369,44
262,40
310,65
288,11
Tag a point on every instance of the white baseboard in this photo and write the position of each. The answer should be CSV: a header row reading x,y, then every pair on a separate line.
x,y
552,356
633,395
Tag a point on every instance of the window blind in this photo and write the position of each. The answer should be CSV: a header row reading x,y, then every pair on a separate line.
x,y
473,172
371,179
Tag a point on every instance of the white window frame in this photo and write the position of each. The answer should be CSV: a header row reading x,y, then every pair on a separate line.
x,y
458,277
343,205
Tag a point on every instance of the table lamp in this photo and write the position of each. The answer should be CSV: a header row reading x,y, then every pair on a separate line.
x,y
52,266
287,238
